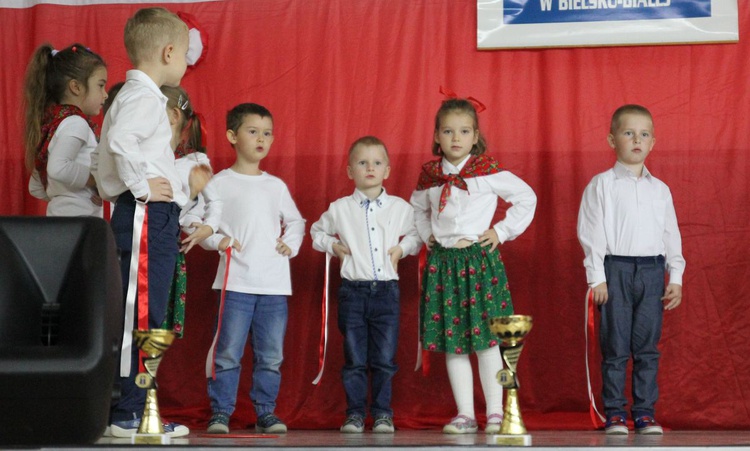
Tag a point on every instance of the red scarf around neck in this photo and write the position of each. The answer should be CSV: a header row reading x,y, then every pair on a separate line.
x,y
432,175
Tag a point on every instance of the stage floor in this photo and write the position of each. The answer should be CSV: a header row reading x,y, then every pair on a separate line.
x,y
435,440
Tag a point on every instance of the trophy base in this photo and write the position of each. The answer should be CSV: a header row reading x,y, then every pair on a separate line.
x,y
511,439
150,439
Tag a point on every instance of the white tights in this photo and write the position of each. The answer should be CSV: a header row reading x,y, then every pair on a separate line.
x,y
462,380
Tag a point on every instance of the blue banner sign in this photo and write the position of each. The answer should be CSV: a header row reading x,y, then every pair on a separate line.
x,y
518,12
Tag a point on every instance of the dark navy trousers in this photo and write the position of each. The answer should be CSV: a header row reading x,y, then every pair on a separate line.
x,y
631,322
163,247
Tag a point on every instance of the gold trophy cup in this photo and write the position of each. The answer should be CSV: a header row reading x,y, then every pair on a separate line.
x,y
511,330
153,343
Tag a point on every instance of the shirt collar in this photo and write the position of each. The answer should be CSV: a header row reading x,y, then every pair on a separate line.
x,y
381,201
141,78
621,171
449,168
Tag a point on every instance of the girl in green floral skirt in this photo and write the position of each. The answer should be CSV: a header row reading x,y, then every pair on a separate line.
x,y
464,281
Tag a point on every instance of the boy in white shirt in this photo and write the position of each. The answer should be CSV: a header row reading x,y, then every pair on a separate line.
x,y
262,224
134,167
363,230
628,229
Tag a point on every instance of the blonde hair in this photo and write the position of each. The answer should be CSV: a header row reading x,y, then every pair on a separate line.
x,y
47,78
628,109
149,31
368,141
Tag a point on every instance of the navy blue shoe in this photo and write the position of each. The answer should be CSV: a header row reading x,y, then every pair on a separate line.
x,y
616,425
647,425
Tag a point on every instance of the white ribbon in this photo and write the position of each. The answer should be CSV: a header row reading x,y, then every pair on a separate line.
x,y
130,297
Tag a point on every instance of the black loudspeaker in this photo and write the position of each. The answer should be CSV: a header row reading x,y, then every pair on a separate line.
x,y
60,326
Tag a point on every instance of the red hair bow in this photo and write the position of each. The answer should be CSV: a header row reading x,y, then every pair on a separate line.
x,y
449,93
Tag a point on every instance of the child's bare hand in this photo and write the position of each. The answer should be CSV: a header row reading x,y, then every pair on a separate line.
x,y
340,250
395,253
161,190
224,244
489,238
96,199
282,248
430,242
201,232
601,295
198,179
672,296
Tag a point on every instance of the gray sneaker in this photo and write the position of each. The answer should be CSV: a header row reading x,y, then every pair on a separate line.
x,y
354,424
218,424
383,425
269,423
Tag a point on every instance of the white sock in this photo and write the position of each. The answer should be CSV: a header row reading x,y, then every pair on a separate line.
x,y
490,363
462,382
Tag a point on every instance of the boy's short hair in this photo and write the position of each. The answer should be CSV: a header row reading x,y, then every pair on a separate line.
x,y
149,30
628,109
236,115
368,141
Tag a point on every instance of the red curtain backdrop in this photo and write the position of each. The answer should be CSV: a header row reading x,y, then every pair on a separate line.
x,y
333,70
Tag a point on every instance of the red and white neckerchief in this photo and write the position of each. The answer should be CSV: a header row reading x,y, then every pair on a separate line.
x,y
211,357
597,419
137,284
432,175
323,345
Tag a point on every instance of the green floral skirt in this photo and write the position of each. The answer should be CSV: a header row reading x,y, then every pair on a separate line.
x,y
461,290
175,319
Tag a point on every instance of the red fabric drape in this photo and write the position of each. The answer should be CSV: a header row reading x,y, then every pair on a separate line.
x,y
333,70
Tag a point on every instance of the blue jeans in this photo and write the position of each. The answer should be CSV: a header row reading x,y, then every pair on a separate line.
x,y
631,324
265,318
163,247
368,318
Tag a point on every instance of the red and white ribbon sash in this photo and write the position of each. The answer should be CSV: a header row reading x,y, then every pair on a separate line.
x,y
140,239
323,345
211,357
596,418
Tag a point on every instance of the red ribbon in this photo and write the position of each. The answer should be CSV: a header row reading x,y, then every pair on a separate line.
x,y
323,322
591,343
425,353
449,93
221,309
143,284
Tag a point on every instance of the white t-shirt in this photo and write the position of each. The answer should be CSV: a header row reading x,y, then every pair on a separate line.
x,y
257,210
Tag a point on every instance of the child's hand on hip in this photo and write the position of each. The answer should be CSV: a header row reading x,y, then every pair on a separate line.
x,y
489,238
395,253
282,248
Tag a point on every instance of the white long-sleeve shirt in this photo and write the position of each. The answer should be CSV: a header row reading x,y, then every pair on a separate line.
x,y
369,230
257,210
206,209
622,214
68,169
468,214
135,142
